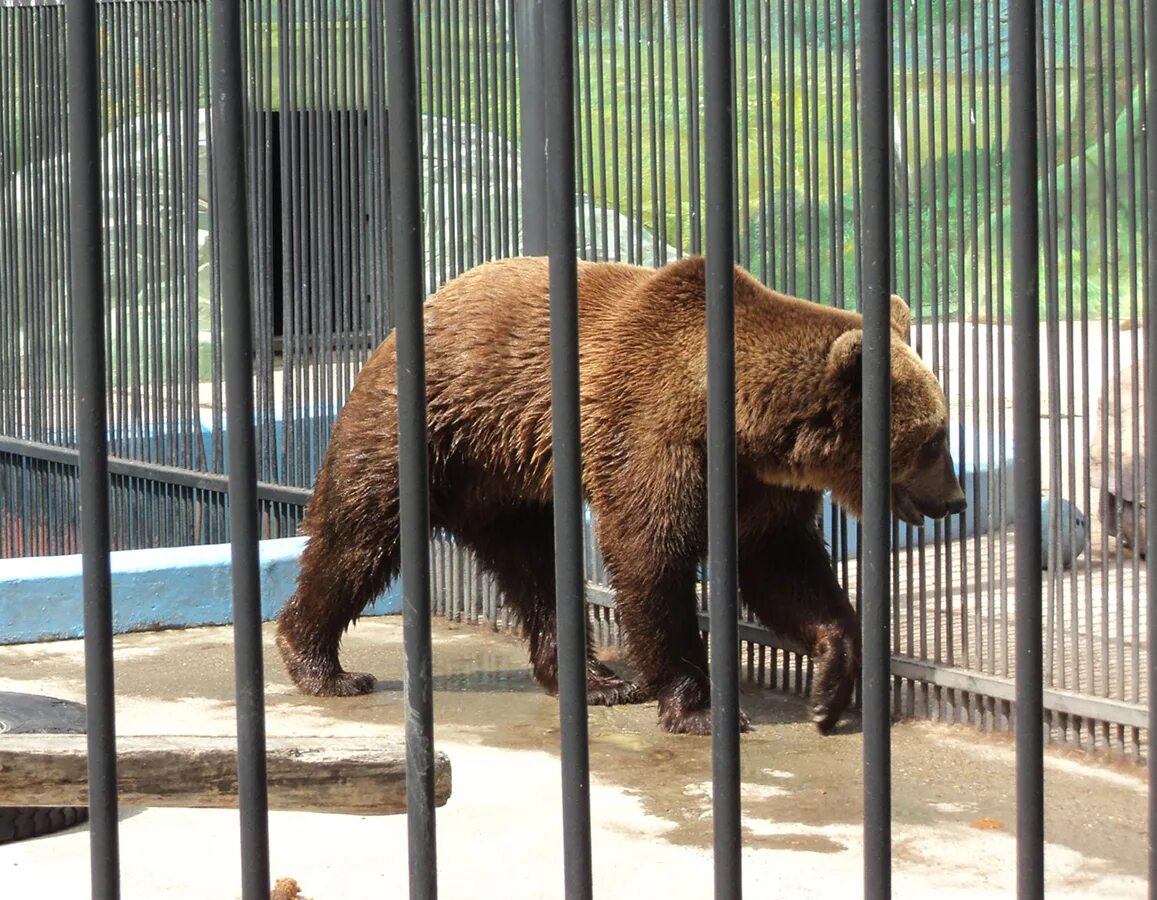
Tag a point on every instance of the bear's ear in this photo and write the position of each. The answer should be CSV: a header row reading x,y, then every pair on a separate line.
x,y
845,356
901,317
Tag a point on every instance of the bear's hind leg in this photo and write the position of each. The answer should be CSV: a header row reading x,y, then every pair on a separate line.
x,y
788,581
519,552
348,561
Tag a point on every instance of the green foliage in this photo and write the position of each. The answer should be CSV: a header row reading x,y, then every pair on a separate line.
x,y
798,120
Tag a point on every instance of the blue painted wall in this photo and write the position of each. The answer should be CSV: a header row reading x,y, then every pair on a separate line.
x,y
40,597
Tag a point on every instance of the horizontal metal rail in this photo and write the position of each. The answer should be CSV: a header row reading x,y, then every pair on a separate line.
x,y
135,468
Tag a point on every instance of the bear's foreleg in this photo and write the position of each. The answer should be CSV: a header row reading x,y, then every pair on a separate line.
x,y
788,582
518,550
659,617
649,506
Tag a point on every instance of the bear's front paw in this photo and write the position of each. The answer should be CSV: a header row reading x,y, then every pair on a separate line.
x,y
837,666
824,717
696,721
605,688
613,692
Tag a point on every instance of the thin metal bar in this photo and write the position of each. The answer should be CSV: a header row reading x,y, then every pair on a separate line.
x,y
1023,32
88,341
228,161
876,254
604,192
413,476
429,61
1150,68
558,81
694,132
1134,267
529,41
638,217
961,332
722,548
658,170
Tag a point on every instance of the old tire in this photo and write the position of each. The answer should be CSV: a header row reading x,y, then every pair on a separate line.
x,y
31,714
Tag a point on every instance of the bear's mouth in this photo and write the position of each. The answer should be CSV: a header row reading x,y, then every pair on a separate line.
x,y
904,506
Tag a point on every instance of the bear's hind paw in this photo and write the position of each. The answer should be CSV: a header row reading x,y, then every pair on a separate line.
x,y
352,684
338,684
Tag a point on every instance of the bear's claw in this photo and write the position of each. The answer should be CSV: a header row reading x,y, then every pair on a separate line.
x,y
603,691
605,688
697,721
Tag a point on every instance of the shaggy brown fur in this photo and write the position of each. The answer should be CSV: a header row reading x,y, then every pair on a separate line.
x,y
643,381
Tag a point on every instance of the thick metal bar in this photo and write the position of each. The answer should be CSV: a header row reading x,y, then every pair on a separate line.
x,y
558,80
528,22
86,282
228,161
722,549
1022,36
876,253
1150,63
413,477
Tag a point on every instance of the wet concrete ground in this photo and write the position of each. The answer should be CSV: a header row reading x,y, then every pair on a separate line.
x,y
500,833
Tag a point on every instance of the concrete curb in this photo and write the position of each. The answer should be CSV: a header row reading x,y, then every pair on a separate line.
x,y
177,587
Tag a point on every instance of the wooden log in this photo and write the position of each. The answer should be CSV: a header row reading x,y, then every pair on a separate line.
x,y
354,775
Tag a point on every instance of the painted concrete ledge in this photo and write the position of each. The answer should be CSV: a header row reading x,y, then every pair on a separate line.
x,y
178,587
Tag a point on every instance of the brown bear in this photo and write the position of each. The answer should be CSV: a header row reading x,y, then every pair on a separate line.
x,y
643,425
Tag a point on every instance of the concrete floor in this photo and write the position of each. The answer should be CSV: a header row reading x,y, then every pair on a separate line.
x,y
500,834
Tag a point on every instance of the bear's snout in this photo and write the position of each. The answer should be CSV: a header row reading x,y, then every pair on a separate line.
x,y
933,491
913,507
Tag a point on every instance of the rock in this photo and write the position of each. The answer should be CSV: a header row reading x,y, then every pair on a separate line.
x,y
1116,477
1073,530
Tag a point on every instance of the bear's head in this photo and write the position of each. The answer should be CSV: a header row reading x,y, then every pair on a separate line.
x,y
924,482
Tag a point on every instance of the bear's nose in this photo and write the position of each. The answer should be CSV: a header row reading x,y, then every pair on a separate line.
x,y
957,506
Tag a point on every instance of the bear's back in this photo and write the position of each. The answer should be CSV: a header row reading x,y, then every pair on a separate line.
x,y
488,359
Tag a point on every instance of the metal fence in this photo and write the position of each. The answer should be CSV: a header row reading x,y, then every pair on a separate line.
x,y
1002,185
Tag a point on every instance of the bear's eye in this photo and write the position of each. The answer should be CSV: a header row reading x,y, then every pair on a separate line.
x,y
933,448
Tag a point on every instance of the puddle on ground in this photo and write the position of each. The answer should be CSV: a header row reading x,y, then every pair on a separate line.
x,y
811,843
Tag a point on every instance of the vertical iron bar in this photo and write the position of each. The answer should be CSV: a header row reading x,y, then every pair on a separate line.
x,y
558,81
1022,36
92,433
694,137
722,551
413,477
529,45
876,243
1150,35
228,160
604,191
